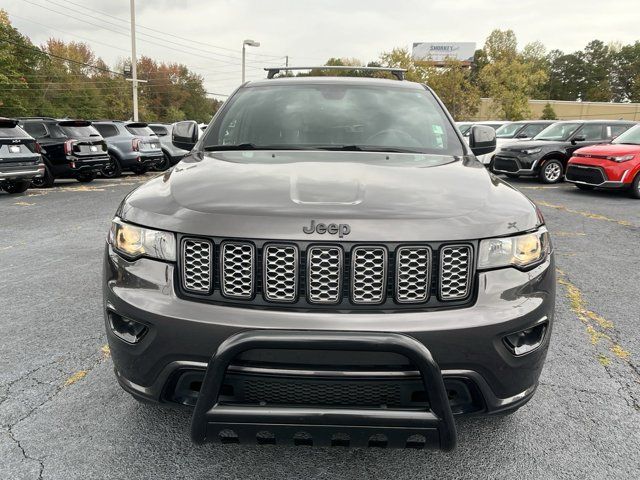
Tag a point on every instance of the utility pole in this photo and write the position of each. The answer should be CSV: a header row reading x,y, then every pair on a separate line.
x,y
286,61
134,60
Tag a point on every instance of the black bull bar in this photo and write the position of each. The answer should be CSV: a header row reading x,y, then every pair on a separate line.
x,y
434,425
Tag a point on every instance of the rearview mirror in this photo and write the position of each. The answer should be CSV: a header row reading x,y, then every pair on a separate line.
x,y
482,139
185,135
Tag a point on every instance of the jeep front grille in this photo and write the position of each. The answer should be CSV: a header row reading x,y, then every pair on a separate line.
x,y
413,274
197,260
369,274
455,265
324,270
237,269
280,273
319,276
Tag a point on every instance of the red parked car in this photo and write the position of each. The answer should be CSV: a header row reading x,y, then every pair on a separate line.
x,y
613,166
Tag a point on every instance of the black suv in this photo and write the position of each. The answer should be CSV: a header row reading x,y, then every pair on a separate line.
x,y
70,149
20,160
546,156
330,264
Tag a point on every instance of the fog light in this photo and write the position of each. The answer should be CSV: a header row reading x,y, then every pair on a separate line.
x,y
525,341
126,329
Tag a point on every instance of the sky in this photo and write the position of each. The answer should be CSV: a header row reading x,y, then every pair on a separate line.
x,y
207,35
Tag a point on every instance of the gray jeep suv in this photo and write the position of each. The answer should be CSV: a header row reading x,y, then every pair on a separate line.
x,y
132,146
330,265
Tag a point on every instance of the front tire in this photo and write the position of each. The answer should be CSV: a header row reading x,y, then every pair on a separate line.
x,y
16,186
635,187
46,181
162,165
113,169
551,171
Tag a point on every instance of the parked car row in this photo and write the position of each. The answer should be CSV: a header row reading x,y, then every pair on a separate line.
x,y
588,153
35,151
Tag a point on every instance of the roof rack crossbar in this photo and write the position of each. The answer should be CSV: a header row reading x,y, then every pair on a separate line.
x,y
396,72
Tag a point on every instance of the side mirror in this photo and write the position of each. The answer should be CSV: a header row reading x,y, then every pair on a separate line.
x,y
522,135
578,138
185,135
482,140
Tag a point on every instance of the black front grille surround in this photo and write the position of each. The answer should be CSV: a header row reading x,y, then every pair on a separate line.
x,y
412,278
505,164
584,174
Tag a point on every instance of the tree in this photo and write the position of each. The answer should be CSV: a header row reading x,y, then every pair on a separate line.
x,y
626,73
454,85
548,113
19,61
510,78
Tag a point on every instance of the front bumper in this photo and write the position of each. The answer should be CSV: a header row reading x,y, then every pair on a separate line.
x,y
183,336
514,165
599,176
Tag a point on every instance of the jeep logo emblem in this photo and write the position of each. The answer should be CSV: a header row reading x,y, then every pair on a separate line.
x,y
342,229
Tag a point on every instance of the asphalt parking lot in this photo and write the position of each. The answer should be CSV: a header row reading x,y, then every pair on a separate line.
x,y
63,415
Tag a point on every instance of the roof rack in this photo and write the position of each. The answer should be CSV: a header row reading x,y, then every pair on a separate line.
x,y
396,72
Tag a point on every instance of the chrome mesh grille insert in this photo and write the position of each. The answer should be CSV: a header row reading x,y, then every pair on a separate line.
x,y
280,273
324,274
455,266
413,274
237,269
369,275
197,258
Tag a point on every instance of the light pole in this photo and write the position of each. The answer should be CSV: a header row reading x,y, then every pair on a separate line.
x,y
250,43
134,60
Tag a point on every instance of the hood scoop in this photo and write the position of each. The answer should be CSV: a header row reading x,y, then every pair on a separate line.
x,y
305,190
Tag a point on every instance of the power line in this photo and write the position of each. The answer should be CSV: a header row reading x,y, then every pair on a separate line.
x,y
170,34
101,25
38,50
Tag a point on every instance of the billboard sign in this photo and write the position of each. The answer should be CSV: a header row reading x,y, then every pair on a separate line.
x,y
438,52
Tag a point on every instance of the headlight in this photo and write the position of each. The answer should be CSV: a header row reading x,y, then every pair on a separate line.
x,y
531,151
134,242
520,251
624,158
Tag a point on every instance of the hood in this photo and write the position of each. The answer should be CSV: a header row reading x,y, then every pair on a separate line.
x,y
529,144
386,197
611,149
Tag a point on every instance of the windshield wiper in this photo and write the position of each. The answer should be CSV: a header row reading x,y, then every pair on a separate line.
x,y
253,146
365,148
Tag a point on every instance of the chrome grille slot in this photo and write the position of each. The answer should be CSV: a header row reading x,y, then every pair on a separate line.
x,y
413,274
237,261
324,274
369,275
455,269
197,260
280,273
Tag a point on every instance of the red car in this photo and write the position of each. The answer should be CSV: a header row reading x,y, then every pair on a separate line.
x,y
613,166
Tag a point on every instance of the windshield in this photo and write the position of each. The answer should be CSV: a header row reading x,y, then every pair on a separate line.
x,y
630,137
79,132
334,117
142,131
558,132
509,130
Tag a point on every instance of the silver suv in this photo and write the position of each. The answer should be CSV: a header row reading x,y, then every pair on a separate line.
x,y
330,265
132,146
